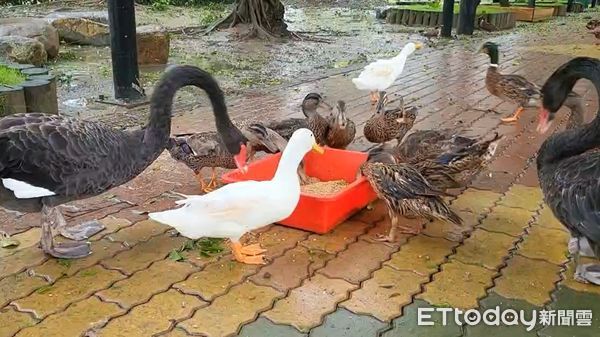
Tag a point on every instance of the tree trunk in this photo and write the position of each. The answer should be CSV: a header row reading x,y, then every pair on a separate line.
x,y
264,18
466,17
447,18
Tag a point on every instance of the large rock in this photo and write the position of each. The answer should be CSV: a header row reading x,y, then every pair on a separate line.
x,y
82,31
22,49
37,29
153,43
98,16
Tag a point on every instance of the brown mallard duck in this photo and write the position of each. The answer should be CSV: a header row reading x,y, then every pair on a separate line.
x,y
206,149
510,88
405,192
427,144
318,124
388,124
341,129
455,168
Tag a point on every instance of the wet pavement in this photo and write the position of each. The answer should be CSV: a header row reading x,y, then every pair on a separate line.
x,y
510,253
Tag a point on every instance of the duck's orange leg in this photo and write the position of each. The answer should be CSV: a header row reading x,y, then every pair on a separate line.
x,y
374,97
213,179
200,180
239,253
514,117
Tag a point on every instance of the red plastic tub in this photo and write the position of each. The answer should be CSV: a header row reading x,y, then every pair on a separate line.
x,y
317,213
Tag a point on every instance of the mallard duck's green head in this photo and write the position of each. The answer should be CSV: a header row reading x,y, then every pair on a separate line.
x,y
491,49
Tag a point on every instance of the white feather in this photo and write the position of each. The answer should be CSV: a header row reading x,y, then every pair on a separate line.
x,y
381,74
23,190
237,208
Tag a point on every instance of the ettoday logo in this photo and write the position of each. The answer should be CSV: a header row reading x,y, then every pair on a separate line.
x,y
507,317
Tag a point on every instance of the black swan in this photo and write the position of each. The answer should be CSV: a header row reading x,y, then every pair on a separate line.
x,y
568,167
48,160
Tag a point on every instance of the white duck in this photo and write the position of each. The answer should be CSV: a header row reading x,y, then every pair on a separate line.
x,y
237,208
381,74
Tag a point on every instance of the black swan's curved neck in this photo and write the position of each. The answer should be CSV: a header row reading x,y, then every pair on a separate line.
x,y
555,91
158,129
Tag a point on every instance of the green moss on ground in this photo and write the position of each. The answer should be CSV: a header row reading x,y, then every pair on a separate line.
x,y
10,76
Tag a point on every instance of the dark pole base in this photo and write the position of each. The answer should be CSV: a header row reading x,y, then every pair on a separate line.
x,y
121,18
447,18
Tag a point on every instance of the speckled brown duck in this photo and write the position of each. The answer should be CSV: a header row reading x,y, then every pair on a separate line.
x,y
388,124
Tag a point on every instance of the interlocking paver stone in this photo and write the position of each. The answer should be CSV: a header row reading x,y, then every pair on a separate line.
x,y
547,219
507,220
215,279
458,285
527,279
262,327
485,249
338,239
519,196
154,316
378,213
13,321
421,254
277,239
77,319
111,224
225,315
17,286
546,244
305,306
20,260
26,239
55,268
368,256
384,295
406,326
139,232
475,201
343,323
142,255
142,285
176,332
57,297
289,270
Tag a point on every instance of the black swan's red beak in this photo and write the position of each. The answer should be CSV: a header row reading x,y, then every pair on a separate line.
x,y
240,159
545,120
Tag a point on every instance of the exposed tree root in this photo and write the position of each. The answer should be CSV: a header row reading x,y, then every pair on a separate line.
x,y
263,19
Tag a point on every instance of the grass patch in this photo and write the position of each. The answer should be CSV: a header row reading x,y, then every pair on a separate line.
x,y
10,76
481,9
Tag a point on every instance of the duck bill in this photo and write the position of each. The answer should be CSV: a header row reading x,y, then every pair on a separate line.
x,y
325,105
318,149
545,121
240,159
418,45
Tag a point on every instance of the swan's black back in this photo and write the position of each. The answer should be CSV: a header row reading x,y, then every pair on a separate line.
x,y
70,157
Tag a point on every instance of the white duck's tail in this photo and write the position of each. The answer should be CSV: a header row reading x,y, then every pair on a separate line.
x,y
182,219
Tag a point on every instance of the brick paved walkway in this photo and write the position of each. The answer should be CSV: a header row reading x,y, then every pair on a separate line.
x,y
512,253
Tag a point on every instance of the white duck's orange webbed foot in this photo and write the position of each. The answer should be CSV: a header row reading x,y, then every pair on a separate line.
x,y
239,253
374,97
254,249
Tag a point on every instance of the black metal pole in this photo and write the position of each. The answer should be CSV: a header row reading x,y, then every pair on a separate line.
x,y
447,18
593,4
570,6
531,3
121,19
